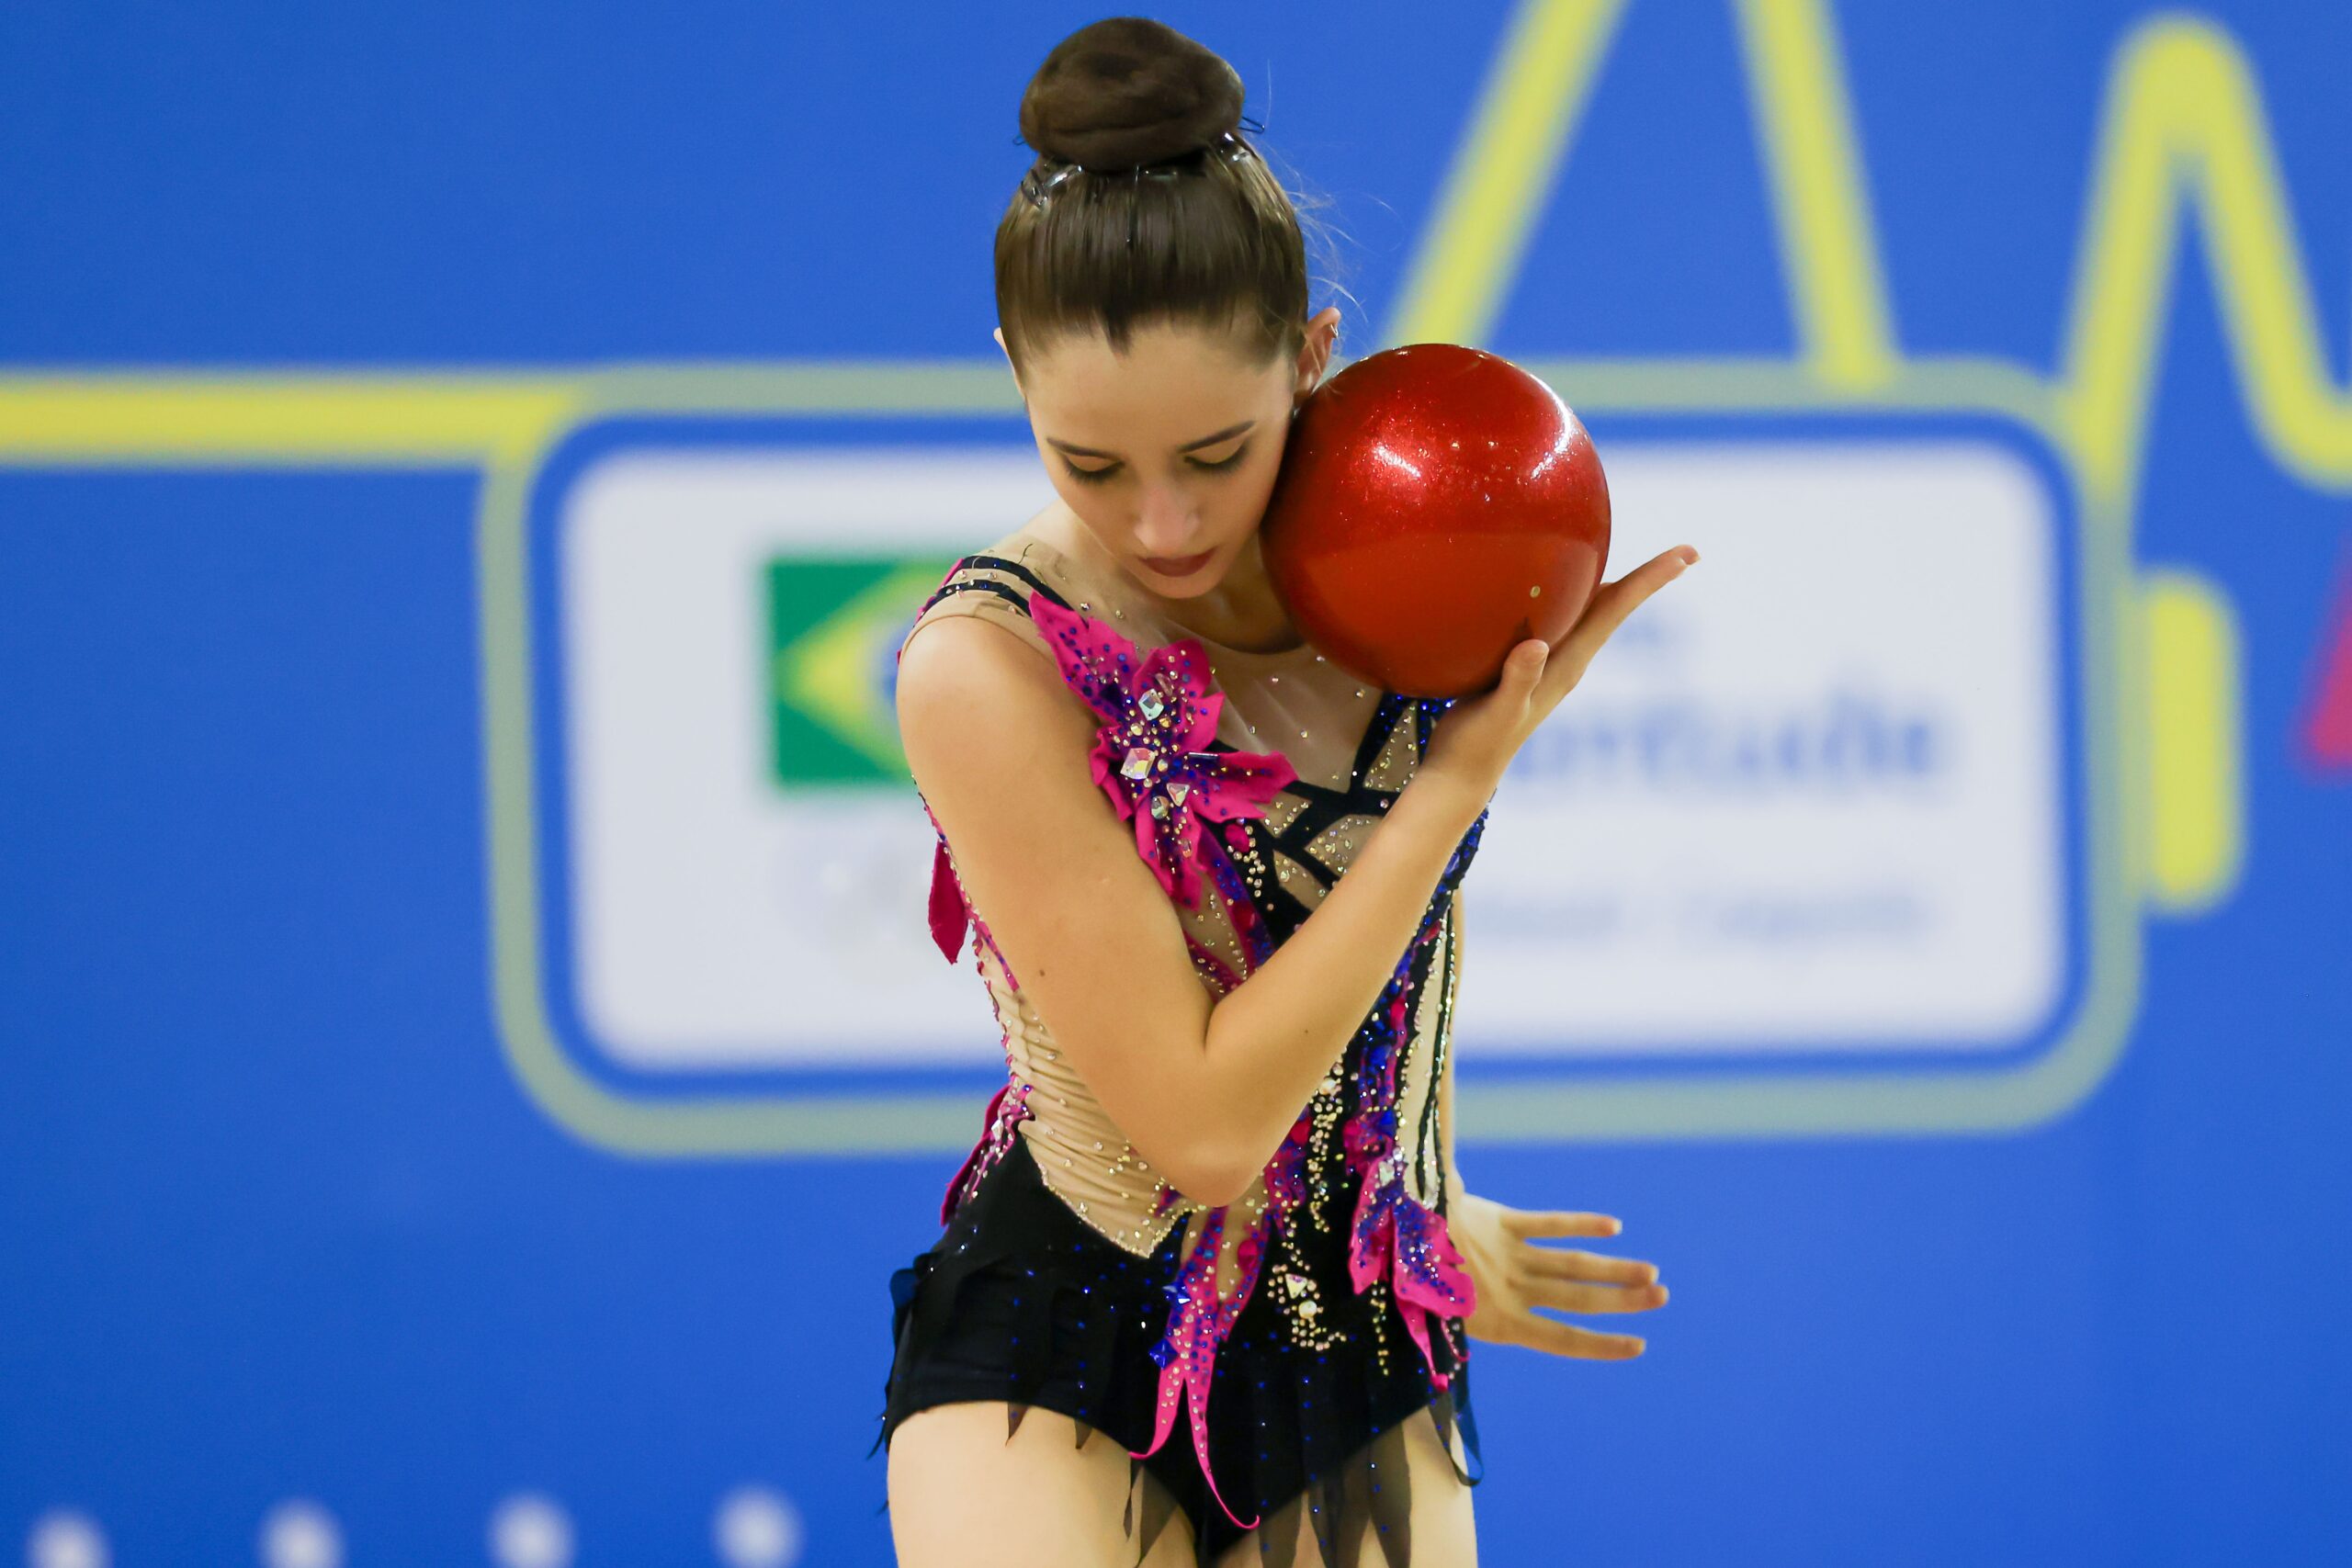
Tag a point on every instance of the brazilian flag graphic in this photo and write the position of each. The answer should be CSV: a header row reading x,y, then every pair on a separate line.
x,y
834,624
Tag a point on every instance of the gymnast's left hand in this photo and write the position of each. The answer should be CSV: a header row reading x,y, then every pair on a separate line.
x,y
1514,1276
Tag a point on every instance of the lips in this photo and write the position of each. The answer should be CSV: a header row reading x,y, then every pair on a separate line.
x,y
1176,566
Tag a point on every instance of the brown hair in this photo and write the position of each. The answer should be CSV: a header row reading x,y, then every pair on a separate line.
x,y
1147,203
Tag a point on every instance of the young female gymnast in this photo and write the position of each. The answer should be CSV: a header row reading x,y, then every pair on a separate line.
x,y
1205,1284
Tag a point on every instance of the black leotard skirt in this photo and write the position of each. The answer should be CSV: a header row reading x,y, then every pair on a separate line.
x,y
1020,1300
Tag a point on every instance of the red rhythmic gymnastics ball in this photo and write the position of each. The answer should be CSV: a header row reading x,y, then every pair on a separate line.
x,y
1436,505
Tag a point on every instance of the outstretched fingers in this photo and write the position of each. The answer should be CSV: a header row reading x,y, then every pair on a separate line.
x,y
1527,1222
1558,1263
1559,1338
1611,602
1579,1293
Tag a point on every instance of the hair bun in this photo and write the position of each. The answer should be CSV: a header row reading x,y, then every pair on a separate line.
x,y
1126,92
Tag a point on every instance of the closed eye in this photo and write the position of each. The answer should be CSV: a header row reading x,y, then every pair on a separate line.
x,y
1109,470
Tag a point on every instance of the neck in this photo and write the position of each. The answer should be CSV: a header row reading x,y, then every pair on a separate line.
x,y
1242,610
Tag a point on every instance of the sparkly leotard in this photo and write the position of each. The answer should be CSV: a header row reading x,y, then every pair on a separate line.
x,y
1260,1358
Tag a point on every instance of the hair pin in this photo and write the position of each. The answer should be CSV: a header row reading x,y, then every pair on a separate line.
x,y
1037,189
1039,186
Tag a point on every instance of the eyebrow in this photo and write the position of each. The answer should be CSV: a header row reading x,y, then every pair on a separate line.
x,y
1227,433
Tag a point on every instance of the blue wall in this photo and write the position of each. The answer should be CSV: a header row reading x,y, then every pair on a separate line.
x,y
279,1220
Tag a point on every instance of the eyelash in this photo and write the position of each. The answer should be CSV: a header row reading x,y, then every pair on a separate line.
x,y
1103,475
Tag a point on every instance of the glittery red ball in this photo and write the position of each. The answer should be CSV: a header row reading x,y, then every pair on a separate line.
x,y
1436,505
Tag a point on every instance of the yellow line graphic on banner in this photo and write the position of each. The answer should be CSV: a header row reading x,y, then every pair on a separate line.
x,y
307,418
1805,123
2184,136
2183,141
1504,169
2189,656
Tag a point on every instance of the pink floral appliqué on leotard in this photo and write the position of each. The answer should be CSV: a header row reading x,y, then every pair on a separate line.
x,y
1396,1236
1150,754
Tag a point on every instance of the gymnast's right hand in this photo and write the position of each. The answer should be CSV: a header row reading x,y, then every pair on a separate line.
x,y
1477,738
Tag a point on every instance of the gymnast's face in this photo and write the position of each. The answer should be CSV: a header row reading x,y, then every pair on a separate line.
x,y
1168,451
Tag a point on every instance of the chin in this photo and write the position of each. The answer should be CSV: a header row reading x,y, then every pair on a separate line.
x,y
1183,584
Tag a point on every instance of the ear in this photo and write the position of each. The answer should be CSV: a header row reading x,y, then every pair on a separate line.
x,y
1314,354
999,335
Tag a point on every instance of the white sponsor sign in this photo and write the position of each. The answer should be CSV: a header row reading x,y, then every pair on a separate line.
x,y
723,922
1809,796
1808,799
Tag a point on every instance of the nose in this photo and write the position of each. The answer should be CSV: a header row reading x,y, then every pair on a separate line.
x,y
1167,522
